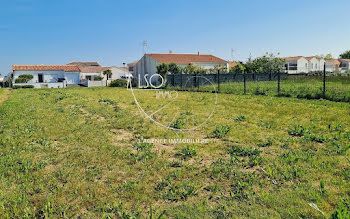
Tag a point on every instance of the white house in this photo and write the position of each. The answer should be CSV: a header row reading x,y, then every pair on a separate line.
x,y
149,62
2,81
300,64
119,73
48,76
344,65
332,65
296,65
315,64
89,73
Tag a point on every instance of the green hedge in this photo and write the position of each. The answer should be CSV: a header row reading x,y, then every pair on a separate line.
x,y
98,78
23,86
24,78
118,83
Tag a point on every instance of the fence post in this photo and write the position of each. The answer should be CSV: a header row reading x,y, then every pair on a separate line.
x,y
194,81
198,82
324,80
244,82
218,81
279,83
181,81
173,80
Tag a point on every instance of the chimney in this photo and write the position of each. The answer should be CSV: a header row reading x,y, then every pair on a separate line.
x,y
170,51
198,52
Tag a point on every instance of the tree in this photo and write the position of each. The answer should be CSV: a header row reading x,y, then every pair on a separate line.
x,y
190,69
220,68
345,55
200,70
237,69
108,72
328,56
267,63
24,78
162,69
174,68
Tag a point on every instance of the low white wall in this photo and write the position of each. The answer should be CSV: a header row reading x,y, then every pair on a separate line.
x,y
97,83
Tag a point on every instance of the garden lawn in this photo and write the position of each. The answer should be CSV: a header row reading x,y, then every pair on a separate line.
x,y
75,152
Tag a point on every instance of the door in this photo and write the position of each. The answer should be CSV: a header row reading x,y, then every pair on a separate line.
x,y
40,78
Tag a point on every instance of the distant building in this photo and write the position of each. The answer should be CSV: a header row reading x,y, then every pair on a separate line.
x,y
315,64
47,76
296,65
344,65
301,64
149,62
85,64
332,65
131,67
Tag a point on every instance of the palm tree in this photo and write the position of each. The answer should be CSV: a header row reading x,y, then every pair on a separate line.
x,y
108,72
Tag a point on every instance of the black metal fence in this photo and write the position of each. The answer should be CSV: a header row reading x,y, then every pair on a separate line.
x,y
326,85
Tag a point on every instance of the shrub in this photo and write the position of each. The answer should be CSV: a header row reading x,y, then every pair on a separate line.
x,y
20,80
23,86
98,78
24,78
118,83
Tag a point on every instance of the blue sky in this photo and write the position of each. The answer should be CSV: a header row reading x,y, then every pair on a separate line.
x,y
111,32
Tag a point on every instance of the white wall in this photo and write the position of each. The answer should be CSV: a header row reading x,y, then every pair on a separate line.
x,y
314,65
117,73
84,74
50,76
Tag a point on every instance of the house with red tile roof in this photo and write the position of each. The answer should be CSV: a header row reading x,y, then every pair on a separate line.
x,y
47,76
147,65
296,65
332,65
344,65
301,64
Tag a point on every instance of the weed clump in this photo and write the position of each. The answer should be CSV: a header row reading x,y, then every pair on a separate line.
x,y
221,130
243,152
186,153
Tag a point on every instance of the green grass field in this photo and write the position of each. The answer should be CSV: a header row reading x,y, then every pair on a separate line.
x,y
75,152
337,88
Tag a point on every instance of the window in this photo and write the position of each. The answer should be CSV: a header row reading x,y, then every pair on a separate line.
x,y
293,66
316,66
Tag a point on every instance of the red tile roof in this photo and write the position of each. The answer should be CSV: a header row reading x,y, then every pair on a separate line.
x,y
85,64
93,69
232,64
185,58
334,61
294,58
68,68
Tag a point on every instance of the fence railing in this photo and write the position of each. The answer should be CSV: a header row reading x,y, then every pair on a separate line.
x,y
325,85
